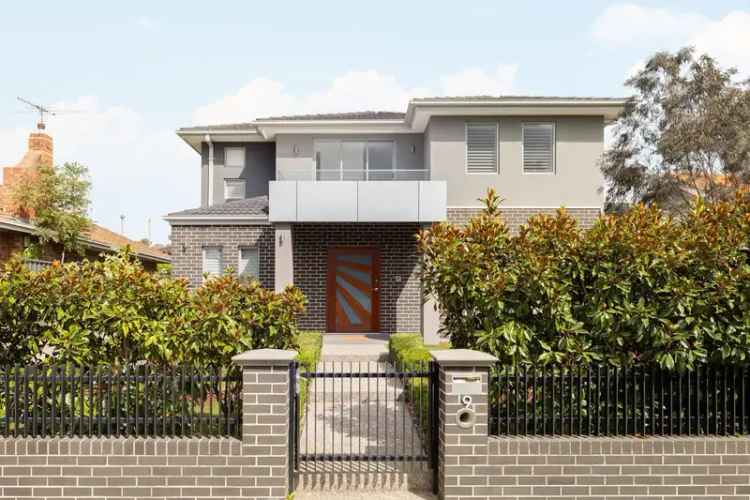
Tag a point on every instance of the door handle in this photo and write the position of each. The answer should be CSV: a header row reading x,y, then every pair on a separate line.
x,y
376,289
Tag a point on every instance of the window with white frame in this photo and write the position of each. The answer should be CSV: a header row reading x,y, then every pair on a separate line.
x,y
212,261
249,264
234,189
234,157
481,147
538,148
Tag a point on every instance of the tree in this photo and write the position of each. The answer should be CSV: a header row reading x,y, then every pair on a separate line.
x,y
683,134
57,199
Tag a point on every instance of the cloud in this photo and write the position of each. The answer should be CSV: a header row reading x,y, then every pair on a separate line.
x,y
136,170
147,23
632,24
727,38
351,91
476,81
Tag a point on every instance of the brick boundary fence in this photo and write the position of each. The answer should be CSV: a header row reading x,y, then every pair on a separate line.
x,y
186,468
478,466
472,464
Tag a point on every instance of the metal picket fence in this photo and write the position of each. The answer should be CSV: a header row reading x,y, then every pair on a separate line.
x,y
133,401
606,401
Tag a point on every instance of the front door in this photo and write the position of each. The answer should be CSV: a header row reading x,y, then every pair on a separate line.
x,y
353,281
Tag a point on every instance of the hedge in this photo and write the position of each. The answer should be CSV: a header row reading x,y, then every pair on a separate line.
x,y
114,313
642,287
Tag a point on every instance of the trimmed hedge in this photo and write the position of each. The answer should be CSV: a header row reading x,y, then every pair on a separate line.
x,y
309,347
408,352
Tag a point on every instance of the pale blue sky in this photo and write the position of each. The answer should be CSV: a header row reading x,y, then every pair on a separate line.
x,y
136,70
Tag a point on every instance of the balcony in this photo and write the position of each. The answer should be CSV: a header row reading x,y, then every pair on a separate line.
x,y
358,196
338,174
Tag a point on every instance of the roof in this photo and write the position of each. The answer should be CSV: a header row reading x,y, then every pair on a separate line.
x,y
354,115
252,207
99,234
414,120
96,237
506,98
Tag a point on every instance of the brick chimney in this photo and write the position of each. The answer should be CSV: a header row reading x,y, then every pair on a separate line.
x,y
40,152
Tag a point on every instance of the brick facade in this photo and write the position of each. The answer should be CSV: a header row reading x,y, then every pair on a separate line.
x,y
515,217
400,284
10,243
188,243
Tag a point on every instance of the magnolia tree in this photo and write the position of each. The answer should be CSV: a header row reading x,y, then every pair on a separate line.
x,y
683,134
641,287
113,313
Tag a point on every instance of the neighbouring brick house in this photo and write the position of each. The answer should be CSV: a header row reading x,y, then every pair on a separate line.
x,y
17,230
332,202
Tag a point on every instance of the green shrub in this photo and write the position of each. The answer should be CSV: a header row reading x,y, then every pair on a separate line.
x,y
309,346
638,287
112,312
407,349
409,353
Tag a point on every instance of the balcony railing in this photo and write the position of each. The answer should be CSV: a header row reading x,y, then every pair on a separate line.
x,y
309,174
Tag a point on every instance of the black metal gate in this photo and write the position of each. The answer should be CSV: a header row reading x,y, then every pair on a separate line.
x,y
364,415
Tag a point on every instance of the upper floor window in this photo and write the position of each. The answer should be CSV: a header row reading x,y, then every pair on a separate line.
x,y
234,157
249,264
212,265
481,147
355,160
539,148
234,189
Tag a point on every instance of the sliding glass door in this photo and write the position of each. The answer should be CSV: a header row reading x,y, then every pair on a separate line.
x,y
354,160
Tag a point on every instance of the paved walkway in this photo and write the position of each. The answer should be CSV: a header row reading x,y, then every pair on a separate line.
x,y
364,417
355,347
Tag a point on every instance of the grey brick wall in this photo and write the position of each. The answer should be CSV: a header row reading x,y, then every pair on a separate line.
x,y
400,284
514,217
129,468
255,467
188,243
700,468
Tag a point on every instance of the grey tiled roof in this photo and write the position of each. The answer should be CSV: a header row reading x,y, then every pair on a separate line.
x,y
502,98
249,206
226,126
354,115
395,115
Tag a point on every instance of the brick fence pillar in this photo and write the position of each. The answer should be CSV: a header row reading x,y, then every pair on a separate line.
x,y
265,419
463,423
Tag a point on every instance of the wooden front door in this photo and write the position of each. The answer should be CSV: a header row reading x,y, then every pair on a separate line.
x,y
353,303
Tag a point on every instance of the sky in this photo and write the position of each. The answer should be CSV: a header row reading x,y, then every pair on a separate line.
x,y
126,75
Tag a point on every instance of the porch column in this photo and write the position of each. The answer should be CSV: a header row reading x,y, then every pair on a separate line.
x,y
284,256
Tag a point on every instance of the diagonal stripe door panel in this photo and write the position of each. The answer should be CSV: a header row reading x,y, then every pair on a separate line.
x,y
352,289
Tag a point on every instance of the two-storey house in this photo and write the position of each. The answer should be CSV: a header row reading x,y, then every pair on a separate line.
x,y
331,203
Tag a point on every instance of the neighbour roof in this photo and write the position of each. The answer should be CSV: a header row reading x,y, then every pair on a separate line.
x,y
257,206
96,236
102,235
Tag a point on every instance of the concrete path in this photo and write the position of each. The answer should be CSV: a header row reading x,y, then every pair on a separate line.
x,y
355,347
361,416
